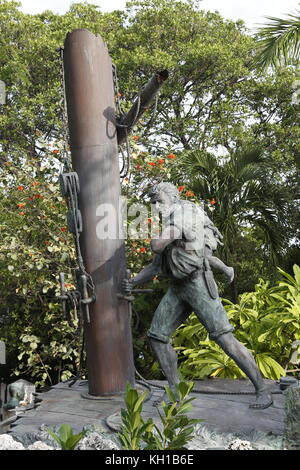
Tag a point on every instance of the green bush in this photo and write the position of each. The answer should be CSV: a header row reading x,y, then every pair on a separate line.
x,y
176,430
266,321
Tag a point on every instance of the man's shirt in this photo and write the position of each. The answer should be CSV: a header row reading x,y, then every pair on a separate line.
x,y
185,255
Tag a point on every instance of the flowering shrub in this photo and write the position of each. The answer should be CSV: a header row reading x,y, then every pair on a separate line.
x,y
35,247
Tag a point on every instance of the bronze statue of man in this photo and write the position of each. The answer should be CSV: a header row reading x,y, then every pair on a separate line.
x,y
180,255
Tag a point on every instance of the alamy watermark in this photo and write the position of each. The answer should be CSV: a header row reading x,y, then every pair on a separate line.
x,y
122,221
143,222
2,92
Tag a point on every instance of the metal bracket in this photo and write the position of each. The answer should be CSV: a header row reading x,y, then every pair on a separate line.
x,y
68,180
74,226
85,300
82,297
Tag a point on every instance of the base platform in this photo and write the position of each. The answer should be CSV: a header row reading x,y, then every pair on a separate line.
x,y
220,411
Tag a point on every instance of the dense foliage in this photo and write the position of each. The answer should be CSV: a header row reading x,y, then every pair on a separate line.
x,y
266,321
211,111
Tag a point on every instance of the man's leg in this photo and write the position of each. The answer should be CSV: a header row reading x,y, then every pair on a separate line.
x,y
217,264
170,313
167,359
244,359
213,316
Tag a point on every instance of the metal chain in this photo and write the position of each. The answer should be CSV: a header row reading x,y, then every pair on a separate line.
x,y
73,205
120,111
71,185
125,170
67,164
126,159
153,113
117,91
71,189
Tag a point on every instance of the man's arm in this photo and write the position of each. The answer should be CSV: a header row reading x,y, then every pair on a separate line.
x,y
148,272
168,235
145,275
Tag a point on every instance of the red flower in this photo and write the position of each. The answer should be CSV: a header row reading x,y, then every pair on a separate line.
x,y
189,194
38,196
171,156
136,137
151,163
149,220
21,213
138,167
161,161
63,229
35,183
143,250
68,285
55,151
181,188
47,243
20,188
21,204
212,202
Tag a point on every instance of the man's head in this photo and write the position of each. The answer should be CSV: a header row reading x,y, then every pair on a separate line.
x,y
164,196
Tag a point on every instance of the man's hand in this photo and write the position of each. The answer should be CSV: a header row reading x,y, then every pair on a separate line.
x,y
127,286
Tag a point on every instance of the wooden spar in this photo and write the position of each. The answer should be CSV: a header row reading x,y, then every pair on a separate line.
x,y
141,105
94,150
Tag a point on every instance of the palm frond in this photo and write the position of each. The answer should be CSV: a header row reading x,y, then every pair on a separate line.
x,y
247,164
244,194
273,237
197,160
279,41
194,164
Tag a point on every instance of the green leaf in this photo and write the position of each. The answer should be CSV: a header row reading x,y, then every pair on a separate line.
x,y
55,437
139,401
65,432
136,421
72,441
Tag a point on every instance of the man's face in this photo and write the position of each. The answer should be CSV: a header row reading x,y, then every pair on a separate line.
x,y
164,205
